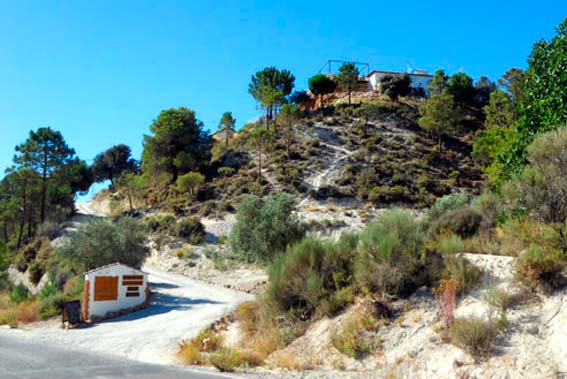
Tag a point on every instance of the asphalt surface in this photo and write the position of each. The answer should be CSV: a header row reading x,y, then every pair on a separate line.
x,y
26,358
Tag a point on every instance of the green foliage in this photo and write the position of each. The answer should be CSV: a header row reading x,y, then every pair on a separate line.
x,y
19,293
264,228
483,89
101,242
4,263
540,187
41,186
498,136
347,78
438,84
440,116
113,162
226,125
460,86
352,341
389,252
451,245
311,273
445,204
464,222
191,229
178,144
226,171
544,96
36,271
188,182
462,271
395,86
321,85
225,360
541,268
475,335
513,83
50,301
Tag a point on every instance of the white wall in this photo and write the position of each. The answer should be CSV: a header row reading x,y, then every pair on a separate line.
x,y
417,81
101,308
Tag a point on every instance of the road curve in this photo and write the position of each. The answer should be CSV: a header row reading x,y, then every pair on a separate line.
x,y
23,358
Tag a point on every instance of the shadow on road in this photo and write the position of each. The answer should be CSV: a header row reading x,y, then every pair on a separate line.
x,y
163,303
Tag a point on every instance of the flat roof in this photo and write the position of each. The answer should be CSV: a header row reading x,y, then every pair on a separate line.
x,y
397,73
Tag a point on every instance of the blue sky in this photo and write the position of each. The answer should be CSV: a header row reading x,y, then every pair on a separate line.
x,y
101,71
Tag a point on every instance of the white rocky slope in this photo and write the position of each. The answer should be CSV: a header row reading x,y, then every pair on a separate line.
x,y
534,344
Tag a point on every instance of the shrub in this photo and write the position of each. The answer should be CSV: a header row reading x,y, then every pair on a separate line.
x,y
295,278
189,354
451,245
499,299
464,222
226,360
101,242
388,258
36,272
19,294
51,305
445,204
191,229
312,272
462,271
540,187
475,335
264,228
352,340
26,311
537,267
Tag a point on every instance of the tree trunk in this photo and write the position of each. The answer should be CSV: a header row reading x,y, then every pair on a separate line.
x,y
349,92
440,143
5,231
259,163
226,137
267,118
130,201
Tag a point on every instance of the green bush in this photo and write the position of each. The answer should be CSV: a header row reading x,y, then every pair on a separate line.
x,y
264,228
191,229
36,272
313,273
101,242
351,340
225,360
51,305
445,204
465,222
19,293
389,252
465,273
540,268
475,335
451,244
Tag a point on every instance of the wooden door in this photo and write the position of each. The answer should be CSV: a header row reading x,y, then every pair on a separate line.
x,y
106,288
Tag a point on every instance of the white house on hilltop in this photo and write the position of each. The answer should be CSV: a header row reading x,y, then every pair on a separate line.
x,y
419,79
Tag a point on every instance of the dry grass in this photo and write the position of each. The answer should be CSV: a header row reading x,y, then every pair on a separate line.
x,y
353,340
190,355
22,313
286,360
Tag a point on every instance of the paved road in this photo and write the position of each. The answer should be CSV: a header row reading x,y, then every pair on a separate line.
x,y
25,358
180,308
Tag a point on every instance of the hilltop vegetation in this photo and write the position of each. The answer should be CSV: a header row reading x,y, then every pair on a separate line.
x,y
471,167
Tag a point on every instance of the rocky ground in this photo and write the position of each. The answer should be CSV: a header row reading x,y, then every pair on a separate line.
x,y
532,346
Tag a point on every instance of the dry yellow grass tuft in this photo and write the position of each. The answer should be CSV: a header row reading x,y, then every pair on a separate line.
x,y
286,360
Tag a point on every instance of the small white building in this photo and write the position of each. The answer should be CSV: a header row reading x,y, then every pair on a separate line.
x,y
419,79
113,289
